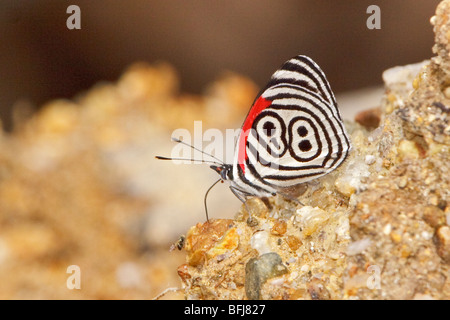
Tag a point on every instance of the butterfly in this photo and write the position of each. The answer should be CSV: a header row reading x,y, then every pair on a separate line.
x,y
292,134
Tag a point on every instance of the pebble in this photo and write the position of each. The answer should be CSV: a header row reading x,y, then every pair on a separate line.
x,y
293,242
403,182
369,118
443,242
311,219
387,229
260,242
369,159
259,270
279,227
257,207
447,92
407,149
359,246
209,239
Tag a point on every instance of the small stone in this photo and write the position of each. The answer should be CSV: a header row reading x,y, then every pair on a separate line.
x,y
260,242
183,273
279,227
369,118
259,270
403,182
205,240
389,108
433,199
442,204
416,82
387,229
350,180
433,216
256,207
358,247
252,222
375,134
344,187
402,76
228,242
369,159
396,237
293,242
317,290
343,228
433,20
443,243
408,149
405,251
311,219
426,235
386,163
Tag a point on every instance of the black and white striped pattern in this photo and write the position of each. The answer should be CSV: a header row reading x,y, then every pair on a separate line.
x,y
293,133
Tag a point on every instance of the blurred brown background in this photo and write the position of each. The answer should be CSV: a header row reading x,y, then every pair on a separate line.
x,y
40,59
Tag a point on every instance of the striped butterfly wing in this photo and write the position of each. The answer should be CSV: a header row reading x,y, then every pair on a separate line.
x,y
292,134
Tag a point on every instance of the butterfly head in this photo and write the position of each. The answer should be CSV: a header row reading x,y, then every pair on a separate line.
x,y
225,171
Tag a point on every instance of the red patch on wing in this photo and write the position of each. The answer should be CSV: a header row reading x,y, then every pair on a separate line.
x,y
256,109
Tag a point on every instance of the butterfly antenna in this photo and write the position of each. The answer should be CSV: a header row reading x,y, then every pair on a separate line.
x,y
206,195
192,147
187,159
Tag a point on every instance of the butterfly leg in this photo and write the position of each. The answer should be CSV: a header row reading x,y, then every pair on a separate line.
x,y
291,198
239,194
243,196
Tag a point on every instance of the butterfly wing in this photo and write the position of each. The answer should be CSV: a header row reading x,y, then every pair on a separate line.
x,y
292,134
